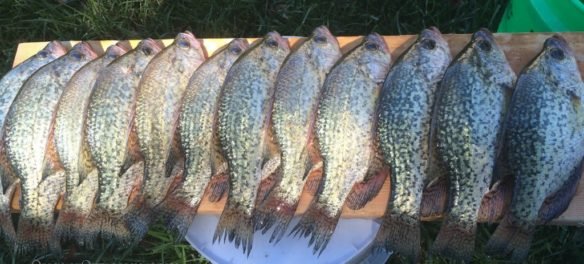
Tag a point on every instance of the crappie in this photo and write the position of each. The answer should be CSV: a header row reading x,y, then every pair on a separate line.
x,y
244,117
298,89
9,87
405,112
469,114
346,133
31,152
81,182
204,164
160,95
111,140
544,145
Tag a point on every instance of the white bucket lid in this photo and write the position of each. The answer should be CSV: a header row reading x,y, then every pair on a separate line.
x,y
348,243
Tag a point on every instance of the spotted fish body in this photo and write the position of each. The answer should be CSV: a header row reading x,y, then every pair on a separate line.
x,y
10,84
544,146
111,140
244,116
81,182
28,140
298,90
405,113
473,99
204,163
345,130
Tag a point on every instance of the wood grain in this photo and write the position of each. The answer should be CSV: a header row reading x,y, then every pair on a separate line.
x,y
519,49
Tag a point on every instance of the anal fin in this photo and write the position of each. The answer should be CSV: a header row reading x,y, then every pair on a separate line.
x,y
366,190
555,204
435,198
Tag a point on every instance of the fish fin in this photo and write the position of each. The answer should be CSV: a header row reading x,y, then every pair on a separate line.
x,y
435,198
510,237
217,186
7,231
76,208
319,224
36,234
366,190
399,234
275,211
555,204
109,226
271,176
455,241
314,179
236,226
496,201
178,214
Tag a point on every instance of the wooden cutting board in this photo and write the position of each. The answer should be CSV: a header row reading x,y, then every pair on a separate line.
x,y
519,49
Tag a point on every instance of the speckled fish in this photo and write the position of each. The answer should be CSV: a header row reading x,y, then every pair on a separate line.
x,y
298,90
405,111
160,95
81,179
244,134
112,141
204,164
470,110
9,87
31,152
346,133
544,146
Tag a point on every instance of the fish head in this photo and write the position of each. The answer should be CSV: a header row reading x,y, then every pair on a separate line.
x,y
148,47
373,54
324,48
273,49
431,53
114,51
233,50
52,50
189,47
559,65
81,52
486,55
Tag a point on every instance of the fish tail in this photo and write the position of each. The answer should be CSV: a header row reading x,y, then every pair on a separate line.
x,y
109,226
319,224
510,237
399,234
178,214
35,237
455,240
68,223
235,225
275,211
7,232
138,221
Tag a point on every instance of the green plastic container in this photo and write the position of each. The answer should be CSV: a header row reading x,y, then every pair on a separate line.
x,y
543,16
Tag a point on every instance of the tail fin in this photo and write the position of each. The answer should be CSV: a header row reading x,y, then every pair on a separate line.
x,y
235,225
319,224
139,217
34,237
399,234
107,225
510,237
69,223
7,231
455,240
178,214
275,211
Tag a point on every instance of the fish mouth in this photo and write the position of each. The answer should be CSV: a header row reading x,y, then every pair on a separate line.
x,y
324,31
56,47
377,39
559,42
483,34
83,48
189,38
116,49
431,33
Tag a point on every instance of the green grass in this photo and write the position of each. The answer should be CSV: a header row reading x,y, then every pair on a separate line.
x,y
37,20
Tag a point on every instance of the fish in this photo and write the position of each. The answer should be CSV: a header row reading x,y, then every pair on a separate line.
x,y
10,84
160,95
298,89
471,104
405,112
347,138
30,150
544,146
81,175
244,138
204,163
112,144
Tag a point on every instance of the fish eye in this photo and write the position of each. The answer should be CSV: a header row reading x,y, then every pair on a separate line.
x,y
320,39
235,50
184,44
147,50
371,46
77,55
557,54
43,54
484,45
429,44
272,43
